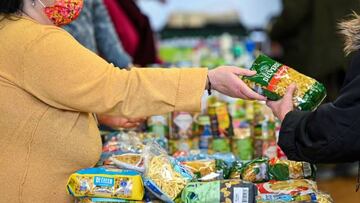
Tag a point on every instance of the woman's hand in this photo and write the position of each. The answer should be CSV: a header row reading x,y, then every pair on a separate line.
x,y
119,122
225,79
283,106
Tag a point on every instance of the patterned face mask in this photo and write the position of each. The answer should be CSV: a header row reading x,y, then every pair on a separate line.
x,y
63,12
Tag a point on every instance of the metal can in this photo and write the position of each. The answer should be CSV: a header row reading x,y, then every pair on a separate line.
x,y
159,125
241,145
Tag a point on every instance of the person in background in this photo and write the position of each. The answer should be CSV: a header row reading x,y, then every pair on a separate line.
x,y
134,31
50,87
330,134
307,32
94,29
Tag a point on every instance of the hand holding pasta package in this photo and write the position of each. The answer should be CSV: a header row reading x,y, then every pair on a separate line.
x,y
273,79
164,176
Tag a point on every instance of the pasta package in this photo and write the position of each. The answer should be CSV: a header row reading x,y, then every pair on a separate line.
x,y
164,176
256,171
104,200
106,183
301,190
273,78
128,161
292,187
226,191
202,168
286,170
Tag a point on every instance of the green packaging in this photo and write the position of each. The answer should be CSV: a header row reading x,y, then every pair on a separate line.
x,y
219,191
273,78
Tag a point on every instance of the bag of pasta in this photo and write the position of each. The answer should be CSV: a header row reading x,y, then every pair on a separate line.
x,y
273,78
106,183
286,170
105,200
164,176
226,191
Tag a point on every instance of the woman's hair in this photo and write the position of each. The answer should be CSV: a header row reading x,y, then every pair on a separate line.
x,y
10,6
351,31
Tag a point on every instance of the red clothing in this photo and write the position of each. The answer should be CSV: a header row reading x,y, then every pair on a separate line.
x,y
124,27
134,31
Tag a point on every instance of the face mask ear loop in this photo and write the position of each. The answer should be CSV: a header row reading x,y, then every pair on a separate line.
x,y
42,4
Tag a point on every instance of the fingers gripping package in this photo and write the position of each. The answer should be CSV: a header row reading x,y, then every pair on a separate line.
x,y
106,183
273,78
164,176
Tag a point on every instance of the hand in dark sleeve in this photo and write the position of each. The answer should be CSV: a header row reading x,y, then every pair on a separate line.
x,y
329,134
108,44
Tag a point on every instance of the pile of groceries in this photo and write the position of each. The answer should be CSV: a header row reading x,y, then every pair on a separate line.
x,y
227,153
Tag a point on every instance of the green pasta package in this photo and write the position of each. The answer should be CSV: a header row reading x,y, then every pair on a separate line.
x,y
273,78
227,191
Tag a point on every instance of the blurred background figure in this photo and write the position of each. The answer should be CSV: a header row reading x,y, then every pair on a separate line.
x,y
134,30
307,33
94,30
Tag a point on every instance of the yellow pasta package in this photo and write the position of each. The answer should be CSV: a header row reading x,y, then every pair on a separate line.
x,y
164,176
107,183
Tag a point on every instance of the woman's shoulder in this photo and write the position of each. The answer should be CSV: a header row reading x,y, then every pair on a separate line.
x,y
24,30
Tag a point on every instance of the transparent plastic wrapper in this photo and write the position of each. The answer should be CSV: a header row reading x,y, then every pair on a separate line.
x,y
105,200
235,171
286,170
128,161
256,171
323,197
106,183
164,176
204,170
273,79
226,191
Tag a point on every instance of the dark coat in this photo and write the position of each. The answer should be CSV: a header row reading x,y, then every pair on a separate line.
x,y
332,132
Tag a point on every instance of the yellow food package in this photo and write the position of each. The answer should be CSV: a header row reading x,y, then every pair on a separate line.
x,y
201,168
107,183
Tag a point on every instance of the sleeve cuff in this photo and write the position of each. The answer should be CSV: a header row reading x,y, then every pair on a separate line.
x,y
289,128
192,82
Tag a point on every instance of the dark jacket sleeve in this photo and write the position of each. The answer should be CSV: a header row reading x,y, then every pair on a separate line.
x,y
332,132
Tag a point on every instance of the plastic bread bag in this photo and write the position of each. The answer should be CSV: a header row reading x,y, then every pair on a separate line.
x,y
286,170
273,78
227,191
164,176
256,171
106,183
128,161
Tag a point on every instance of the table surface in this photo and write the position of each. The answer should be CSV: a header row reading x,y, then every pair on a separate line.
x,y
341,189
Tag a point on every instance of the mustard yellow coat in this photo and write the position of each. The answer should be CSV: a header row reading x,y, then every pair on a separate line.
x,y
49,86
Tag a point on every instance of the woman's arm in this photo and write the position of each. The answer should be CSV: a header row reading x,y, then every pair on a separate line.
x,y
63,74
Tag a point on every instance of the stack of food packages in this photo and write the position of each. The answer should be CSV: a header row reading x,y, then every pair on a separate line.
x,y
228,153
